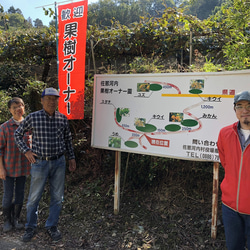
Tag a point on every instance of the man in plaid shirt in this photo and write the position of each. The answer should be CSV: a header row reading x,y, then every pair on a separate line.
x,y
14,167
51,138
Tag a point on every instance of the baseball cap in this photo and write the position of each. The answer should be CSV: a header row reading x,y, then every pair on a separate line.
x,y
50,91
242,96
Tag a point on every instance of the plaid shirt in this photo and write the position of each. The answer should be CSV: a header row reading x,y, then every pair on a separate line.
x,y
15,163
51,135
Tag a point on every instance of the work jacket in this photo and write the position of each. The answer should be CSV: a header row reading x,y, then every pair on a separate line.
x,y
235,186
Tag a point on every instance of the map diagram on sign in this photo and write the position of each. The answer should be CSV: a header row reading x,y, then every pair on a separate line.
x,y
177,117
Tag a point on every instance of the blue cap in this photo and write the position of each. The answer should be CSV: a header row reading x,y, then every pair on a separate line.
x,y
50,91
242,96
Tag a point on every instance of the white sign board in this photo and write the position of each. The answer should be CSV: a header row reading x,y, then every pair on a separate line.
x,y
177,115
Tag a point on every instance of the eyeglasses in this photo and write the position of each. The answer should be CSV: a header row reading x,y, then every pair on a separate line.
x,y
240,107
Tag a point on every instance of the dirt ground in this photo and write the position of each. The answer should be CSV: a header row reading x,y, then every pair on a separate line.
x,y
172,215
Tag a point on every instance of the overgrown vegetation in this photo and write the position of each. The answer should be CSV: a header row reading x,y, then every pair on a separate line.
x,y
222,39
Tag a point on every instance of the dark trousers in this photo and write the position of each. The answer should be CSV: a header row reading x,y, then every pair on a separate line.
x,y
13,185
237,229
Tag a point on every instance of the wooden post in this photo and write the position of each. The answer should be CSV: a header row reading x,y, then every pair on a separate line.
x,y
117,182
215,199
93,55
190,47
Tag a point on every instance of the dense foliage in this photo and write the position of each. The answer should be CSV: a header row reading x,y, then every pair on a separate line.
x,y
104,12
201,8
232,21
168,29
13,19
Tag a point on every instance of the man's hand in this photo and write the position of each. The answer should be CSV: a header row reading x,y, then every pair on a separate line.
x,y
72,165
2,169
2,173
30,156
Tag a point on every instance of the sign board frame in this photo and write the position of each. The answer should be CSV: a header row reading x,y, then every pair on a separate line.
x,y
175,115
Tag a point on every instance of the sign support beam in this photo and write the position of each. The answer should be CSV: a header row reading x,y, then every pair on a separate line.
x,y
117,182
215,199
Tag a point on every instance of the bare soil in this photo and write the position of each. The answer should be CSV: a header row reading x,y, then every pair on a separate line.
x,y
175,213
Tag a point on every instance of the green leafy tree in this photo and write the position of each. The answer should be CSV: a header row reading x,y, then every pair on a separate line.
x,y
4,112
12,10
232,22
17,21
38,23
13,20
4,19
154,8
52,23
22,48
201,8
125,12
101,13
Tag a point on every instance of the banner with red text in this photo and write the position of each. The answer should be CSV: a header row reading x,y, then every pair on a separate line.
x,y
72,28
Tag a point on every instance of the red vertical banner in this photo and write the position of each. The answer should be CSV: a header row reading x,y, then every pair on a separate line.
x,y
72,29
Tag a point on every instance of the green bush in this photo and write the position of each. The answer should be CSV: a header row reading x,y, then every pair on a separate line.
x,y
146,65
31,95
210,67
4,111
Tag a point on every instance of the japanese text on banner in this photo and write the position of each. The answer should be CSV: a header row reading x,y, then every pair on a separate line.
x,y
72,20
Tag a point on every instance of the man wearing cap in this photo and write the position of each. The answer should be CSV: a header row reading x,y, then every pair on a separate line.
x,y
234,151
51,139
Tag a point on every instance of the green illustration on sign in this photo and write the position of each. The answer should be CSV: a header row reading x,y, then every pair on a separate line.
x,y
173,127
131,144
147,128
189,123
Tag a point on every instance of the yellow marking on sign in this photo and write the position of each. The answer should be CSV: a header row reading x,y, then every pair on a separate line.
x,y
197,95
